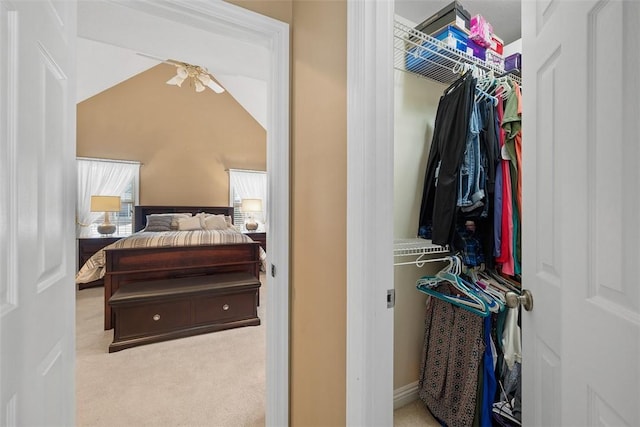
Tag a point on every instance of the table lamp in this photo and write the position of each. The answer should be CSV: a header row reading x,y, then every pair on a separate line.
x,y
105,204
250,206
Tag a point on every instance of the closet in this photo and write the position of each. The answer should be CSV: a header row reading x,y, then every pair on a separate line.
x,y
417,94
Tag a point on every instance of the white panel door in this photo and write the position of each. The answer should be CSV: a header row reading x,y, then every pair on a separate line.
x,y
37,199
581,127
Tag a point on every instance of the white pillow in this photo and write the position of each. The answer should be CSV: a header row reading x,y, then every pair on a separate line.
x,y
189,223
215,222
176,216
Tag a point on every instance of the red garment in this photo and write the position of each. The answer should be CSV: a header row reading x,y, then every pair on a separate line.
x,y
506,249
518,146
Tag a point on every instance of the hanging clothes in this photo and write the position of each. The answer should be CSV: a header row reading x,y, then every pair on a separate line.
x,y
472,200
512,125
448,382
438,206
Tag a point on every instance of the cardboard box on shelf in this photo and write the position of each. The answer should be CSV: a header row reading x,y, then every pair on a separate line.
x,y
494,59
452,14
480,31
513,62
497,45
454,37
475,50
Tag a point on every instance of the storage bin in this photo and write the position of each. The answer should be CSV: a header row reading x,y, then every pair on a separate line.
x,y
475,50
480,31
453,37
452,14
421,58
494,59
497,45
513,62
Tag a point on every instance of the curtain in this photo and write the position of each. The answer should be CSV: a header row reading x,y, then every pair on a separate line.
x,y
100,178
250,185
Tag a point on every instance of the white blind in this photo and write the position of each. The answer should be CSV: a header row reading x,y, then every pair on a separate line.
x,y
247,184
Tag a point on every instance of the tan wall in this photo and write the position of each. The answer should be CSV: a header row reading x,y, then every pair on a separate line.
x,y
416,102
319,192
318,211
185,140
318,202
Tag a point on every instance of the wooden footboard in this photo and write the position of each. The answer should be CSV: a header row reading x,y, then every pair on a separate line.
x,y
126,266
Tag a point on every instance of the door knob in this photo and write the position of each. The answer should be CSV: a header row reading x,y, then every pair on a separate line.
x,y
526,299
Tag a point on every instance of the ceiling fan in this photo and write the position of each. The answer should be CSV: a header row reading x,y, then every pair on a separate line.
x,y
198,77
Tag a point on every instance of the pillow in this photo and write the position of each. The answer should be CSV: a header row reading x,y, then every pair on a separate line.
x,y
158,223
175,217
215,222
189,223
229,220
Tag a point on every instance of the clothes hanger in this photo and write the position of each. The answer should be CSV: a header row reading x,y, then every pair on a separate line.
x,y
493,302
433,281
467,299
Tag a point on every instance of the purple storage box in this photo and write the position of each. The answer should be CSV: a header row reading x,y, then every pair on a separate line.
x,y
476,50
513,62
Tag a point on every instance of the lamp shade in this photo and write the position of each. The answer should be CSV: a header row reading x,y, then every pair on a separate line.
x,y
251,205
105,203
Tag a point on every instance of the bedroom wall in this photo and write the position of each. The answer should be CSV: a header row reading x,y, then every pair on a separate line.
x,y
318,206
416,103
184,164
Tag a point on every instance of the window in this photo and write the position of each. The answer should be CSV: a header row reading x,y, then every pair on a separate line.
x,y
247,184
106,177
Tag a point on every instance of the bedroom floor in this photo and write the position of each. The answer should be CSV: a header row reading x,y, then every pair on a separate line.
x,y
215,379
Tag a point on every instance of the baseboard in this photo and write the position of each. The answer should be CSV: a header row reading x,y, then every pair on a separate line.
x,y
405,395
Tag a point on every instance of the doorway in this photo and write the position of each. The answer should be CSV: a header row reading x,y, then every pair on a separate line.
x,y
219,19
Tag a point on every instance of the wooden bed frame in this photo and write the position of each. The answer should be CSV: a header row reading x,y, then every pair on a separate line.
x,y
125,266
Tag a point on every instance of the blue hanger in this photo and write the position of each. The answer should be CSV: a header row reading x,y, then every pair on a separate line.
x,y
467,300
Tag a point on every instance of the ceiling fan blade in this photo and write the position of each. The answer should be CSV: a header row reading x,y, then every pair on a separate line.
x,y
163,60
155,58
215,86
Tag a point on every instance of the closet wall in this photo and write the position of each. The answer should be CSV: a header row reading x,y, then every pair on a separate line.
x,y
416,103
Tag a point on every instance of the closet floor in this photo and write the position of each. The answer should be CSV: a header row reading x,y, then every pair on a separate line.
x,y
414,414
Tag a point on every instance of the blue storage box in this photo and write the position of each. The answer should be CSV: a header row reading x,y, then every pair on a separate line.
x,y
419,58
453,37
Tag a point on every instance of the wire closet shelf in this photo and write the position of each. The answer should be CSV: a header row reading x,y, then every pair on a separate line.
x,y
420,54
417,249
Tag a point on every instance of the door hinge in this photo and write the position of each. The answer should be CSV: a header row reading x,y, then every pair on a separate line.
x,y
391,298
273,270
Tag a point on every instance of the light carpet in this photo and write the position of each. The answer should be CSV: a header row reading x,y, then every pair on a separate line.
x,y
215,379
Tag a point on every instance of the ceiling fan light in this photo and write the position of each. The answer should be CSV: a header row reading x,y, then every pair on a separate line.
x,y
175,80
182,72
199,85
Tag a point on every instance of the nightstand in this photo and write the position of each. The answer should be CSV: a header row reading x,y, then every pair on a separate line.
x,y
260,237
87,246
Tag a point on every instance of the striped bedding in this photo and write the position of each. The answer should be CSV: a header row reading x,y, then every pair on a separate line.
x,y
93,269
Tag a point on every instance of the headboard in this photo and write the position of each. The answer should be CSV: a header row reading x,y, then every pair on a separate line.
x,y
141,212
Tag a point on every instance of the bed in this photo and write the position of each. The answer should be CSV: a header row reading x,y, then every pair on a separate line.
x,y
154,255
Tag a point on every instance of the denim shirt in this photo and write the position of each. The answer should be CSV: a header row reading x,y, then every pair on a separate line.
x,y
469,191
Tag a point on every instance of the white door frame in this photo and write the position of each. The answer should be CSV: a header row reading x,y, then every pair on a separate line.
x,y
225,18
369,212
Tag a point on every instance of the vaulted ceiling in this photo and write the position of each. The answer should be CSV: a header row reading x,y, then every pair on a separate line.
x,y
110,36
